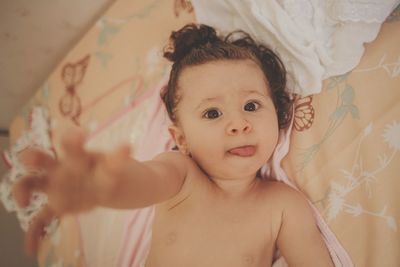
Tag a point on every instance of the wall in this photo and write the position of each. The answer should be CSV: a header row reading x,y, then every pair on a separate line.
x,y
34,37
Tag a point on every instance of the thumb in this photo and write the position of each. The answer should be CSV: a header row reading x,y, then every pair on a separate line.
x,y
36,230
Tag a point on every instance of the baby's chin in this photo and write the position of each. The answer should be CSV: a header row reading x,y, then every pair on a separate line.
x,y
247,159
233,166
237,170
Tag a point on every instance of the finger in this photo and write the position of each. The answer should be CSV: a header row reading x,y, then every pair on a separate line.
x,y
23,188
73,142
36,159
36,230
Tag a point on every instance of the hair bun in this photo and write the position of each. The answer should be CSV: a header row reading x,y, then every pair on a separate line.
x,y
189,37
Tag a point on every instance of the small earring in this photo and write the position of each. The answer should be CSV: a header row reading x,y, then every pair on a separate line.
x,y
185,151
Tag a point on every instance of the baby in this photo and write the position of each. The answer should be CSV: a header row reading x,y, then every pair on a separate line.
x,y
226,100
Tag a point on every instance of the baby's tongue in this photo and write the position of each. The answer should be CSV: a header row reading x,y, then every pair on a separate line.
x,y
244,151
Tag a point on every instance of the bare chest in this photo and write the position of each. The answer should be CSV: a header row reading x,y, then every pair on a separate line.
x,y
201,233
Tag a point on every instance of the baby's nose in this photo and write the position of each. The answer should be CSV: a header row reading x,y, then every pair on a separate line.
x,y
239,126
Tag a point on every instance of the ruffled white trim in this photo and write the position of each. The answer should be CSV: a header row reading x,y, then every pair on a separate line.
x,y
37,136
315,39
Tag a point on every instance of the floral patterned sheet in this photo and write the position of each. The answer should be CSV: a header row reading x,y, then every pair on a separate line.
x,y
345,151
344,147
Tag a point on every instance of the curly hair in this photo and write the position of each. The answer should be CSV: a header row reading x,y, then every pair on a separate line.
x,y
196,44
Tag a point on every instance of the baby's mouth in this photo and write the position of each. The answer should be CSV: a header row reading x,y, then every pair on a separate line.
x,y
243,151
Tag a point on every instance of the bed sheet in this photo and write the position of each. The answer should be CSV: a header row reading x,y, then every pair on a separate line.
x,y
344,146
345,151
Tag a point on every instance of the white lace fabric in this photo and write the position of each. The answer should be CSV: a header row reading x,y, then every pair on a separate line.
x,y
367,11
37,136
315,39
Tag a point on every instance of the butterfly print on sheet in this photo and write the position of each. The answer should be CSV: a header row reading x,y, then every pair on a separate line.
x,y
72,75
182,5
303,113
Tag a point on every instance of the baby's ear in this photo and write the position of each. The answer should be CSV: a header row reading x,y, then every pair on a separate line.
x,y
179,138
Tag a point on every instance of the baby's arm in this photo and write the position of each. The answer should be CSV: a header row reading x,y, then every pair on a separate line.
x,y
299,239
80,180
140,184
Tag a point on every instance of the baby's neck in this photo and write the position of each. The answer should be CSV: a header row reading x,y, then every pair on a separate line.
x,y
235,187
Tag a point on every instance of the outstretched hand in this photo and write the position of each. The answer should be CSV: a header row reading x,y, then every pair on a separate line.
x,y
75,182
65,180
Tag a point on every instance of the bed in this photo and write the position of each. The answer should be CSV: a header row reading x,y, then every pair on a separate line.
x,y
344,145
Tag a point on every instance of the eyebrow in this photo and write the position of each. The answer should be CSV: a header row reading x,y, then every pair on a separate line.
x,y
249,92
209,99
217,98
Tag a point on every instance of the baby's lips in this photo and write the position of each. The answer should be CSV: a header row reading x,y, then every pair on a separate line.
x,y
243,151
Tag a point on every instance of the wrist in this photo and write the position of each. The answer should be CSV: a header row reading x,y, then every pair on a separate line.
x,y
104,181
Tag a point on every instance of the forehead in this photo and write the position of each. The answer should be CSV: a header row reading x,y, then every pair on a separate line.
x,y
222,77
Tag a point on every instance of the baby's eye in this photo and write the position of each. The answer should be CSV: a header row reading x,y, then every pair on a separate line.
x,y
212,113
251,106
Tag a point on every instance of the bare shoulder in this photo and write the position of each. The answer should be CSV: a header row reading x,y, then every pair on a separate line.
x,y
185,166
283,192
287,200
180,163
174,157
299,238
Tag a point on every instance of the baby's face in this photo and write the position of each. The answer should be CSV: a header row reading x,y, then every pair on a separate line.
x,y
226,118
